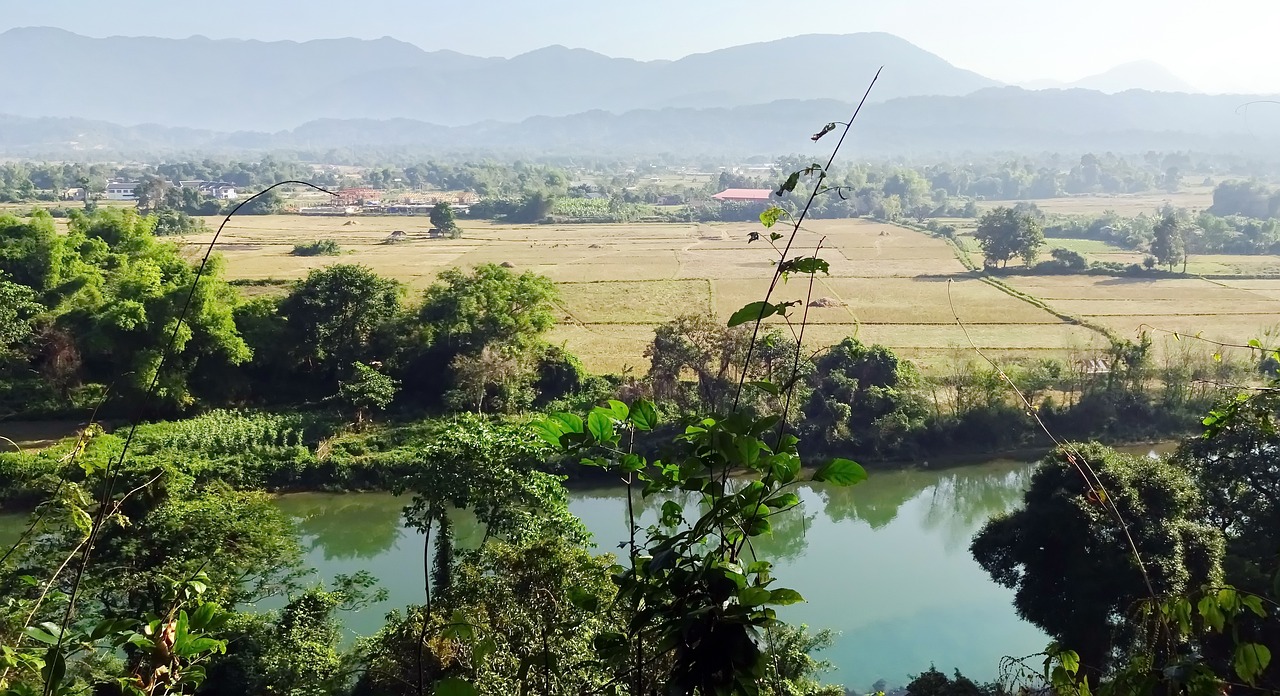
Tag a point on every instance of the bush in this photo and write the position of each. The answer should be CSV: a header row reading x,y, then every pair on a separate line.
x,y
324,247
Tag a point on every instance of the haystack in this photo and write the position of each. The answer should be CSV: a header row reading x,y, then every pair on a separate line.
x,y
508,264
826,302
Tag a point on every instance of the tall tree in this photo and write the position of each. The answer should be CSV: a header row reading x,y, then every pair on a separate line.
x,y
1005,233
1167,241
1072,565
334,317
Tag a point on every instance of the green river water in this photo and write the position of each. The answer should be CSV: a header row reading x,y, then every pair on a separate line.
x,y
885,563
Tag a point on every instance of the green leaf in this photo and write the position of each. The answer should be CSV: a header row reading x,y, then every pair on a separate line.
x,y
41,635
672,513
549,431
643,415
569,422
759,567
781,502
600,425
1254,603
1250,660
766,386
619,409
582,599
755,311
482,649
771,215
1255,343
785,467
203,615
754,596
806,265
55,668
841,472
1211,613
454,686
1070,661
790,184
632,463
784,596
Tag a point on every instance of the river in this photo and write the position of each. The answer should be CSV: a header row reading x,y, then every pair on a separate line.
x,y
885,564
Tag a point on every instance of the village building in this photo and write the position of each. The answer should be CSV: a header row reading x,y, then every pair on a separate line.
x,y
122,191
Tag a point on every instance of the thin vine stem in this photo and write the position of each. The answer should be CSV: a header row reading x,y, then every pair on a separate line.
x,y
112,472
795,230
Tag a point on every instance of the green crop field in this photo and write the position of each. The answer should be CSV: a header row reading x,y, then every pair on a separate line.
x,y
888,284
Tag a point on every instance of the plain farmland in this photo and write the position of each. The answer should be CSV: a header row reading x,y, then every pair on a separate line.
x,y
887,284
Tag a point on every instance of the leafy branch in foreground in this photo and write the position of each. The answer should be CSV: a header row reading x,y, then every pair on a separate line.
x,y
697,595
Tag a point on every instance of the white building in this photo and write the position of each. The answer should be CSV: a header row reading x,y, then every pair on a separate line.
x,y
122,191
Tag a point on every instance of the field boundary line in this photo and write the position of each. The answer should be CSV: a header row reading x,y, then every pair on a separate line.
x,y
1037,302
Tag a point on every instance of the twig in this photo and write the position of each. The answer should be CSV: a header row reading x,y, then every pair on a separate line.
x,y
1077,460
777,274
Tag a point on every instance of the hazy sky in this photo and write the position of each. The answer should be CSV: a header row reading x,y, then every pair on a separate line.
x,y
1224,45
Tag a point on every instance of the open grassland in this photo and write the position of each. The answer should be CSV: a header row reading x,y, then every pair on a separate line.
x,y
1227,311
887,285
1194,198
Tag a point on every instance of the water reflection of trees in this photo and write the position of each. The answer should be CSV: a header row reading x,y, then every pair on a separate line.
x,y
346,526
962,501
959,500
364,526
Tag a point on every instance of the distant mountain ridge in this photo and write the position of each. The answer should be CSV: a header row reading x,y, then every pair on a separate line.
x,y
994,120
1141,74
268,86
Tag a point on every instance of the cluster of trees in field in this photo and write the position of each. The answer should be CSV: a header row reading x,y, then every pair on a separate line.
x,y
887,190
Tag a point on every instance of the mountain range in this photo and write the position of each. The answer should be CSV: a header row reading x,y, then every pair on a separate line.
x,y
1140,74
133,95
234,85
992,120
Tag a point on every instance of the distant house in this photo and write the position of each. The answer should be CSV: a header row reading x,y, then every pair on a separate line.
x,y
222,192
73,194
122,191
744,195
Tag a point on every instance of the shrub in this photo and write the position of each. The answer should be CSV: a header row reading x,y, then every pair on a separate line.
x,y
324,247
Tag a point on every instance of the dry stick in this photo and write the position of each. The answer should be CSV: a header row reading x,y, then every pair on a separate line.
x,y
1077,460
113,470
755,332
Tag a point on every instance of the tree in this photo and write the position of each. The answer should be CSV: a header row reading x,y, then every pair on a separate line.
x,y
1167,245
495,376
442,218
1005,233
151,193
367,390
1072,565
335,316
18,309
490,305
270,203
862,397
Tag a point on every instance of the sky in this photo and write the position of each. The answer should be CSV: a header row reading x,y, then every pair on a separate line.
x,y
1225,45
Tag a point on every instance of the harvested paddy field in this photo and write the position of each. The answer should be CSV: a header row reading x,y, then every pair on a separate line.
x,y
887,285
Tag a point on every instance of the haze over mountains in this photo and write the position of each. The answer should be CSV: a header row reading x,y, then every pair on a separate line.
x,y
201,94
254,85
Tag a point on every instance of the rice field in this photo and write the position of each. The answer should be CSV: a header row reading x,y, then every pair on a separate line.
x,y
887,284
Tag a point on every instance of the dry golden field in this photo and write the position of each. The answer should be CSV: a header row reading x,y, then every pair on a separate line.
x,y
887,284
